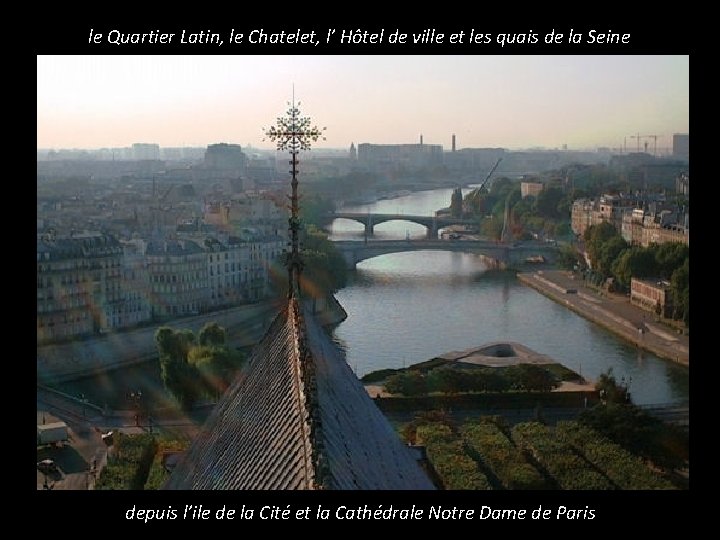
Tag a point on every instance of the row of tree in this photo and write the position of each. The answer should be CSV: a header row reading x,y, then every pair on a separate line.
x,y
192,367
453,380
547,214
633,428
613,257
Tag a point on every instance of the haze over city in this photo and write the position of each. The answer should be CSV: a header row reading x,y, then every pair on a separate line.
x,y
479,280
487,101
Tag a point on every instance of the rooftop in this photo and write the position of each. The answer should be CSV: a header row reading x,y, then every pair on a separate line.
x,y
297,418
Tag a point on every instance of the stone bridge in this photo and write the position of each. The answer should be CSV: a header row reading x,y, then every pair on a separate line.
x,y
497,255
432,223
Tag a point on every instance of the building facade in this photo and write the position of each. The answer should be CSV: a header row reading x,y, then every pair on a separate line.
x,y
681,146
228,263
392,157
178,277
682,184
531,189
652,295
78,285
639,221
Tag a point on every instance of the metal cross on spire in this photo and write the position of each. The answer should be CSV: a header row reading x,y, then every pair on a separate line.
x,y
294,133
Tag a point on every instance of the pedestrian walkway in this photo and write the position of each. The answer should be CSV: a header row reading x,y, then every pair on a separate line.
x,y
612,311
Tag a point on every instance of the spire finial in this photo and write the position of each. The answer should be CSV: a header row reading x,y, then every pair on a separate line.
x,y
294,133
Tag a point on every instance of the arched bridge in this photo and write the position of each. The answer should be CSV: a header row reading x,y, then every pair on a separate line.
x,y
432,223
497,255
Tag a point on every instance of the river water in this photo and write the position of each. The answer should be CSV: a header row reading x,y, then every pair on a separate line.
x,y
404,308
408,307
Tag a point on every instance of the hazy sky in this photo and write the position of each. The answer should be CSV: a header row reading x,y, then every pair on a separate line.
x,y
505,101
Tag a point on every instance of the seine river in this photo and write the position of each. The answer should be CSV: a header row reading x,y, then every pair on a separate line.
x,y
408,307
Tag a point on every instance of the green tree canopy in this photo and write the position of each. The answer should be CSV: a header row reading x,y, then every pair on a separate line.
x,y
609,252
409,383
596,237
680,287
315,208
211,334
547,202
189,370
324,269
670,256
635,262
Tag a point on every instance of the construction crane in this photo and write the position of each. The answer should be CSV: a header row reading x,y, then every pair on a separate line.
x,y
639,137
655,138
482,184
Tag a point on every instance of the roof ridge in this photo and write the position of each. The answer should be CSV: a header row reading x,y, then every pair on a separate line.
x,y
318,458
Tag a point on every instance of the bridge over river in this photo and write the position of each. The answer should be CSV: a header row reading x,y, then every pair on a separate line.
x,y
498,255
432,223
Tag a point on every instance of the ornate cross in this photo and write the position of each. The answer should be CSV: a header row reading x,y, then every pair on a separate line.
x,y
294,133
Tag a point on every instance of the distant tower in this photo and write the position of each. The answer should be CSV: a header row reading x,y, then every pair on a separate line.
x,y
421,138
353,151
681,146
453,142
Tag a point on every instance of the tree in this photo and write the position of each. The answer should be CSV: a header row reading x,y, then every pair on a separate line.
x,y
568,257
448,380
315,209
547,202
409,383
522,209
214,366
168,344
595,236
670,256
189,370
636,262
324,266
456,203
680,289
479,202
563,230
609,252
609,389
211,334
534,378
501,187
638,432
491,228
181,380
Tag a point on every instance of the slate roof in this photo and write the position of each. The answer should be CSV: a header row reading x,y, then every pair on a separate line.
x,y
297,418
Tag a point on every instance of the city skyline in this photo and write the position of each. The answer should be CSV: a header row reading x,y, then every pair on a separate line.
x,y
486,101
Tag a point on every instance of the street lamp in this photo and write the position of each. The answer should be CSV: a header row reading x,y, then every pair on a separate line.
x,y
83,400
135,398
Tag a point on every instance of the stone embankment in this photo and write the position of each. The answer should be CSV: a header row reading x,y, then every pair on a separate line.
x,y
245,325
613,312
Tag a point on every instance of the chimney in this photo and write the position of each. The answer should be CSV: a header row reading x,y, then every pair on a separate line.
x,y
421,138
453,142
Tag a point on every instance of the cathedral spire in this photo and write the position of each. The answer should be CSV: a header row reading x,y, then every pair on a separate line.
x,y
294,133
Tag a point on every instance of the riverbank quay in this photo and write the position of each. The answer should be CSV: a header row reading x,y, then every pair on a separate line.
x,y
245,326
613,312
